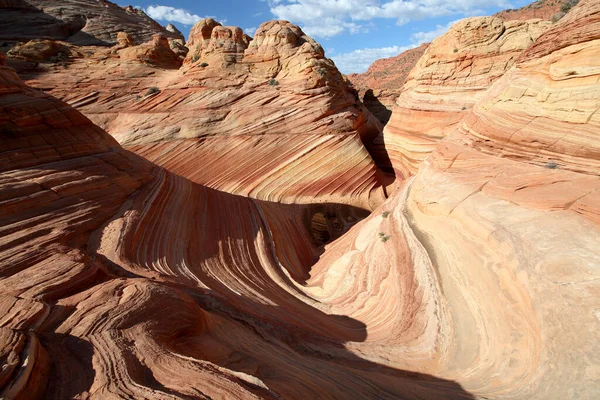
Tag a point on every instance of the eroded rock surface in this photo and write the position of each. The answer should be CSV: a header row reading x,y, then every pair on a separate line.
x,y
82,22
276,102
455,71
477,278
381,84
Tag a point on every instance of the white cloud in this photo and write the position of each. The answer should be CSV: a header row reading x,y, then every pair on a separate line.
x,y
326,18
250,31
359,60
428,36
172,14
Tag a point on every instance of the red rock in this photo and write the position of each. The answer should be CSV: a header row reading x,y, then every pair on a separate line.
x,y
381,84
82,22
455,71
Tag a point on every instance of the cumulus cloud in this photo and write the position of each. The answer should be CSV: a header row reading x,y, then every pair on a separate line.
x,y
326,18
428,36
172,14
250,31
359,60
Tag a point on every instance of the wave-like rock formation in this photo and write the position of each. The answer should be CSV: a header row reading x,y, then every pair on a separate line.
x,y
82,22
120,279
381,84
275,102
477,278
455,71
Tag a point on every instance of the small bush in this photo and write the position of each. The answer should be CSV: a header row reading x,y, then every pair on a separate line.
x,y
464,108
195,58
456,50
385,214
568,5
551,165
385,238
152,90
273,82
204,65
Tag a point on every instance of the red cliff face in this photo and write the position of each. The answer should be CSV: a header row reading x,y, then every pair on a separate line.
x,y
381,84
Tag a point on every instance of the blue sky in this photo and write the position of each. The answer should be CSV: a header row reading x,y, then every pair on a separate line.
x,y
354,33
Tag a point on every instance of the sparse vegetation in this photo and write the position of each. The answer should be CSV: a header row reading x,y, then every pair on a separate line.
x,y
204,65
195,58
456,50
551,165
152,91
566,7
384,238
273,82
464,108
385,214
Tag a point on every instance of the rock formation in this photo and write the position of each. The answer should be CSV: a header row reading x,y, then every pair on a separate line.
x,y
231,94
82,22
455,71
477,278
549,10
381,84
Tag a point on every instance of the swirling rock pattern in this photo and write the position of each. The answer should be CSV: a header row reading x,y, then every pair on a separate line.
x,y
477,278
275,103
455,71
120,279
82,22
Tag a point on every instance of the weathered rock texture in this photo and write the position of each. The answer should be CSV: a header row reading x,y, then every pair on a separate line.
x,y
82,22
381,84
497,234
275,102
455,71
122,280
478,278
543,9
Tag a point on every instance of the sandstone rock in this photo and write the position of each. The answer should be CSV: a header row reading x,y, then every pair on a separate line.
x,y
209,41
124,40
82,22
542,9
281,91
156,52
452,75
381,84
40,50
490,249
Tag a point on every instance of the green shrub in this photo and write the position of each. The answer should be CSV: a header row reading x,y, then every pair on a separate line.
x,y
385,214
551,165
152,90
273,82
456,50
568,5
204,65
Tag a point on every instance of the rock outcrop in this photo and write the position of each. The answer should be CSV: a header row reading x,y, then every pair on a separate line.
x,y
491,249
81,22
455,71
381,84
477,278
549,10
278,90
